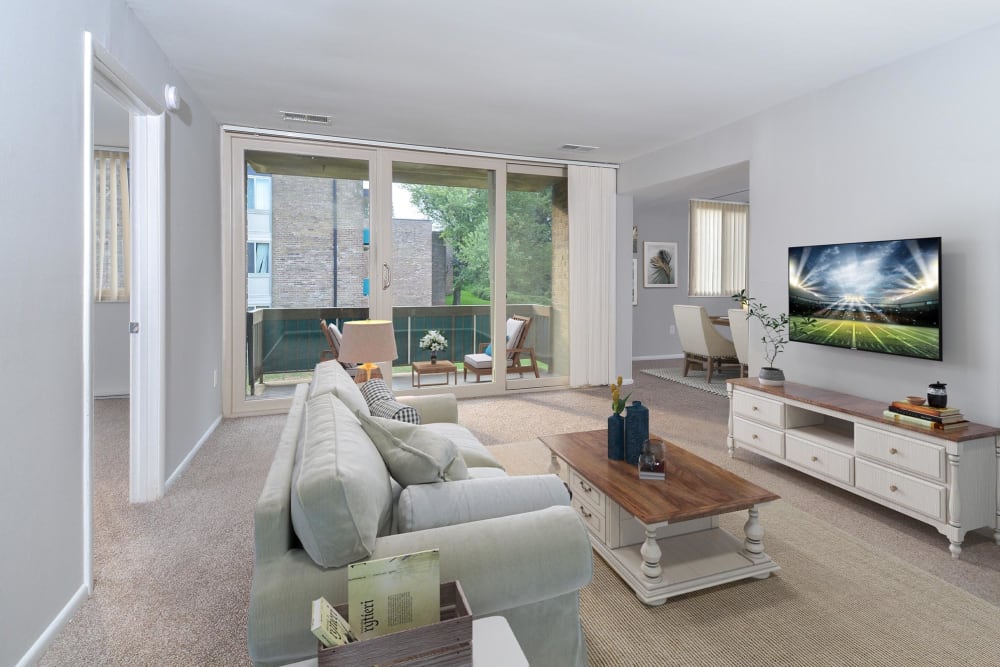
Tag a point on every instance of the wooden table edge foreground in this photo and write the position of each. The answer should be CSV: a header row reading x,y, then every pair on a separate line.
x,y
663,537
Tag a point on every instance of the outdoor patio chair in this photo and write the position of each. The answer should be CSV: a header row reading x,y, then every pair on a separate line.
x,y
517,332
333,338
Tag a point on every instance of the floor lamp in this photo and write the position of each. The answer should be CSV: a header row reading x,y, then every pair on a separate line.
x,y
366,342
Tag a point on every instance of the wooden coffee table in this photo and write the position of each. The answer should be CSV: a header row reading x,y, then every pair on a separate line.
x,y
663,537
419,368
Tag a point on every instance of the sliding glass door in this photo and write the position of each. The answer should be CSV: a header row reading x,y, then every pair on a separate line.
x,y
459,245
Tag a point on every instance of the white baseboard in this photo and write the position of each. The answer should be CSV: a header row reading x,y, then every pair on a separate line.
x,y
38,648
187,459
657,357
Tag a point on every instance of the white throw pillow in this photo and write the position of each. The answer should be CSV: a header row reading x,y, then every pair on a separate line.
x,y
413,454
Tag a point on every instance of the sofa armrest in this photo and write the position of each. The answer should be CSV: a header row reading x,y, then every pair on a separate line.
x,y
424,506
434,408
502,564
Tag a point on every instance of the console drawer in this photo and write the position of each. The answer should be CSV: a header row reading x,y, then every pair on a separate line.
x,y
823,460
901,489
759,437
594,521
759,409
901,452
586,493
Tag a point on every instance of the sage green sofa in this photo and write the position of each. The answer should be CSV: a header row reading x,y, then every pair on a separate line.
x,y
514,543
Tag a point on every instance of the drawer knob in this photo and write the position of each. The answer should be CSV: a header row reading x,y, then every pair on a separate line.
x,y
586,487
893,488
585,513
754,408
754,436
814,458
893,450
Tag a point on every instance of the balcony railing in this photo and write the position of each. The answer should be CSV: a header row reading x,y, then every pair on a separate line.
x,y
289,340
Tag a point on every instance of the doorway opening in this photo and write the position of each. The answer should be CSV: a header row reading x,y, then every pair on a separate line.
x,y
125,261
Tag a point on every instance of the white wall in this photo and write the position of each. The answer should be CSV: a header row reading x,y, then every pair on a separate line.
x,y
110,353
41,407
911,149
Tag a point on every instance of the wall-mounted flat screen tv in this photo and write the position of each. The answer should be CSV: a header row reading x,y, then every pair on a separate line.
x,y
883,296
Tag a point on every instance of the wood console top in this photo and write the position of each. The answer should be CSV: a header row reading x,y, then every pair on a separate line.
x,y
860,407
694,487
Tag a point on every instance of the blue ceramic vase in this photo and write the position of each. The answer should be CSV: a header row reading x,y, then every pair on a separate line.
x,y
636,431
616,437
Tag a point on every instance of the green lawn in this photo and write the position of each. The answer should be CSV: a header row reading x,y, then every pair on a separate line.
x,y
468,299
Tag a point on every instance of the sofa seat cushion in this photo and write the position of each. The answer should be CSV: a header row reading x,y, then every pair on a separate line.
x,y
476,472
330,377
341,494
473,452
413,453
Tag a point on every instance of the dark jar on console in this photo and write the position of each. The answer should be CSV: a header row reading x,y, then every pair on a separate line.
x,y
937,396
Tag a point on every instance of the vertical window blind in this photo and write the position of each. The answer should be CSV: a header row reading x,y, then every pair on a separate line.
x,y
112,233
718,248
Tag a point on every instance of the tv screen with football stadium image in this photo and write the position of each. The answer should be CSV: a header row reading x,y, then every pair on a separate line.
x,y
883,296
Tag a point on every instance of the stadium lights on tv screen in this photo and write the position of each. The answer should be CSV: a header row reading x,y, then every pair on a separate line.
x,y
883,296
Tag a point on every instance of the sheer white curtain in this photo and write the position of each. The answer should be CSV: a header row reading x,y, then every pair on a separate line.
x,y
592,274
718,251
112,233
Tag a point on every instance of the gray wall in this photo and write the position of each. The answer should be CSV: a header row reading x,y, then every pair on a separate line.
x,y
110,351
906,150
41,481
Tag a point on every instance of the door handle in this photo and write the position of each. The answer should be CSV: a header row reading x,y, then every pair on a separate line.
x,y
386,276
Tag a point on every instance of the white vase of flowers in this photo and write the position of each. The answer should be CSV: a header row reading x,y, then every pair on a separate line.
x,y
434,341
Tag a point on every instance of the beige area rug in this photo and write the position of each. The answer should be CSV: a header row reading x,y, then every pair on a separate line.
x,y
834,602
695,378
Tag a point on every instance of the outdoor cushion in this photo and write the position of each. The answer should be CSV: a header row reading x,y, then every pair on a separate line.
x,y
413,453
482,361
337,342
330,377
513,332
341,495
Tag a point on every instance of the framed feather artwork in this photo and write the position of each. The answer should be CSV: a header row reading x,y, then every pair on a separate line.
x,y
660,264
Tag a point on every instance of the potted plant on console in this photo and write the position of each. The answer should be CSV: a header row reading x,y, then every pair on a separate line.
x,y
774,339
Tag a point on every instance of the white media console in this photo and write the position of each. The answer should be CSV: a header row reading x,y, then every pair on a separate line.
x,y
946,479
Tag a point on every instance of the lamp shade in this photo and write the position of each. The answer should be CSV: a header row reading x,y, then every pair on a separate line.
x,y
367,341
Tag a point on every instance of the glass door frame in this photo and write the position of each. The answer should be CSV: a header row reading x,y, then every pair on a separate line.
x,y
235,143
234,239
381,293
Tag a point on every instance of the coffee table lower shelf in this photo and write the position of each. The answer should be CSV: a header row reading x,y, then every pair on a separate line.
x,y
688,562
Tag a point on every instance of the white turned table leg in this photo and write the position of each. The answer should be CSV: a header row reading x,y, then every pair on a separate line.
x,y
651,554
753,546
554,465
730,440
955,548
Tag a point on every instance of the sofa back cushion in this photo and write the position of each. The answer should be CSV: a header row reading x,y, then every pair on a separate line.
x,y
341,493
330,377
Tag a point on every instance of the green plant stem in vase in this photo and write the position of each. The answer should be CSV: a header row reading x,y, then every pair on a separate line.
x,y
774,339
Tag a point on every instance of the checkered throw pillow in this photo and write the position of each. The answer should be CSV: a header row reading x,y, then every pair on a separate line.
x,y
395,410
381,403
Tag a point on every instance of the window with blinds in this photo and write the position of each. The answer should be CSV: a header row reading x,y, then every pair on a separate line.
x,y
718,248
110,216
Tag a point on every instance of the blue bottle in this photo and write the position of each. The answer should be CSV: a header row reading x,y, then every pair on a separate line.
x,y
616,437
636,431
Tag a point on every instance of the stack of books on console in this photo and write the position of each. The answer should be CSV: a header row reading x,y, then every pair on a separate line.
x,y
938,419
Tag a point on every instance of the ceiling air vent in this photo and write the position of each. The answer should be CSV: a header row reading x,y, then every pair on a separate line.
x,y
577,148
305,117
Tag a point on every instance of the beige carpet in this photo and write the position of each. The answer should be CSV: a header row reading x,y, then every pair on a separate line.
x,y
834,602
